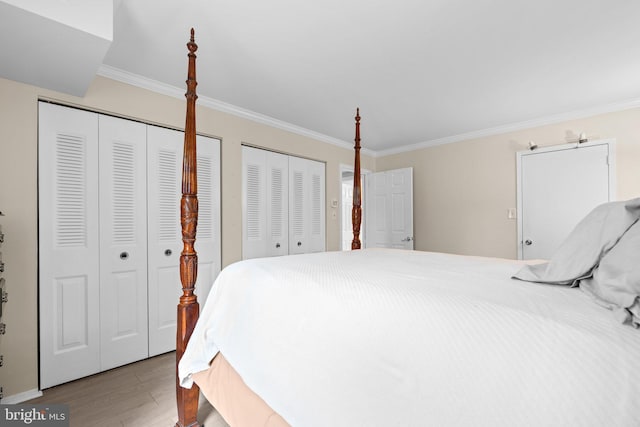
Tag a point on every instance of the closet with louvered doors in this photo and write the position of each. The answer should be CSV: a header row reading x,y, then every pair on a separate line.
x,y
98,241
283,204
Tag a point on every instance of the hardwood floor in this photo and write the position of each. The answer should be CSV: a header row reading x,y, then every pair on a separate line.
x,y
139,394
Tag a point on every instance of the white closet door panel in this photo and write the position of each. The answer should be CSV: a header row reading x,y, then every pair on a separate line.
x,y
165,235
164,162
208,238
254,213
277,200
299,202
317,210
68,244
123,241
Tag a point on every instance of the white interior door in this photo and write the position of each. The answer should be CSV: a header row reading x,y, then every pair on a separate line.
x,y
68,244
208,236
389,209
557,187
165,151
123,241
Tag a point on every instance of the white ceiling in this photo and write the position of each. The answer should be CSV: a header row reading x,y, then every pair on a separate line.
x,y
421,71
55,44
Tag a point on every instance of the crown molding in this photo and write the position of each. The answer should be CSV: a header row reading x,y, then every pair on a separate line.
x,y
527,124
165,89
172,91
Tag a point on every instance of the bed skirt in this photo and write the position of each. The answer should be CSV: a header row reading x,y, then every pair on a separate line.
x,y
233,399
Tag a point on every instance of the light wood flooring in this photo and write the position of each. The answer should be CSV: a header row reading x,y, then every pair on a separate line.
x,y
139,394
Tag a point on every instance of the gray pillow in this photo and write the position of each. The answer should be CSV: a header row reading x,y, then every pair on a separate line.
x,y
616,280
581,251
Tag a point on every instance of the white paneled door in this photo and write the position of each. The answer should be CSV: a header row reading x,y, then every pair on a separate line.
x,y
389,209
123,241
557,187
69,243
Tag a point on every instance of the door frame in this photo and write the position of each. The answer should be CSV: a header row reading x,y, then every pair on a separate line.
x,y
610,143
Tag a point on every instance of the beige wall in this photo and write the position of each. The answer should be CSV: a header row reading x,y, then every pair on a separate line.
x,y
18,192
462,190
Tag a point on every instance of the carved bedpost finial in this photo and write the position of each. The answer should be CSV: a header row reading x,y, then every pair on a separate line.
x,y
191,45
356,211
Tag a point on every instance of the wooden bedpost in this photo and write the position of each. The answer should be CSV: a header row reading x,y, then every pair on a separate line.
x,y
188,308
356,211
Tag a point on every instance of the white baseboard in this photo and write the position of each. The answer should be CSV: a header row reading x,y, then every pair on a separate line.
x,y
21,397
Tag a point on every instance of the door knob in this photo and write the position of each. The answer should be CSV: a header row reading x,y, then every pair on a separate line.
x,y
277,245
299,243
124,255
528,242
168,252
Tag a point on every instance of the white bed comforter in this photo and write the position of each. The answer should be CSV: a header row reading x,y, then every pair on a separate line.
x,y
383,337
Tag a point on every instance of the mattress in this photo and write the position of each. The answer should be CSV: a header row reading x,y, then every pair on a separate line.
x,y
382,337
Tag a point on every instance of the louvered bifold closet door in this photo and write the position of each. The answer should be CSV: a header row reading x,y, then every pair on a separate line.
x,y
306,206
123,241
164,160
317,211
164,179
208,237
265,203
68,244
277,208
299,202
254,205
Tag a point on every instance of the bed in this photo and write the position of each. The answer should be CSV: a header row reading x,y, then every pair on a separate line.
x,y
383,337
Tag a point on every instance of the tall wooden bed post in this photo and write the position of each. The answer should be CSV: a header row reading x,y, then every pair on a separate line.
x,y
188,308
356,211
